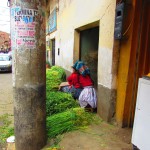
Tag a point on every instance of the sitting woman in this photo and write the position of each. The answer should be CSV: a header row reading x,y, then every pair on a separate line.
x,y
73,86
87,98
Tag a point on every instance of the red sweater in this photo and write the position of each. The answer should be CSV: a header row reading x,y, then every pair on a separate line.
x,y
85,80
73,79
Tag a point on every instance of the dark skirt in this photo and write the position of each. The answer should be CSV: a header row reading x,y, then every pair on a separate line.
x,y
75,92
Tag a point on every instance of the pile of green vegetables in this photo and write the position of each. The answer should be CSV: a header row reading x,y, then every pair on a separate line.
x,y
5,129
57,102
69,120
63,112
54,77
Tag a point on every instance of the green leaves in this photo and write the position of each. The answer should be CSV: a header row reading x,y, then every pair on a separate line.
x,y
69,120
63,112
54,77
5,129
57,102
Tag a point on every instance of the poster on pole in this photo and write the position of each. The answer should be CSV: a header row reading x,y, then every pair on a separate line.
x,y
23,27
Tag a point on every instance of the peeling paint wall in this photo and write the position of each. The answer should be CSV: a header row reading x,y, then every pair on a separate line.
x,y
106,45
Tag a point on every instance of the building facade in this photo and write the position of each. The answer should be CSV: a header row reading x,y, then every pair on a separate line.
x,y
87,30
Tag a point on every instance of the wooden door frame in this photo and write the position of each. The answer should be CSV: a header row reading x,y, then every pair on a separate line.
x,y
132,65
130,93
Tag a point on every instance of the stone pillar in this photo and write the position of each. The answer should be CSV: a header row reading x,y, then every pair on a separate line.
x,y
29,77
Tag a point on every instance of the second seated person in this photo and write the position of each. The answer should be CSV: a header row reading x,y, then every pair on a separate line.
x,y
74,86
87,97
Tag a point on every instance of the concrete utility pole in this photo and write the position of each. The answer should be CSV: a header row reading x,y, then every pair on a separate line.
x,y
29,79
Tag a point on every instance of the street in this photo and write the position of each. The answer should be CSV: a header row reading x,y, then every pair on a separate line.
x,y
6,94
6,98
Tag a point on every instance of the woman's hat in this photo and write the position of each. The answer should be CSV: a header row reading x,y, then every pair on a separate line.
x,y
75,65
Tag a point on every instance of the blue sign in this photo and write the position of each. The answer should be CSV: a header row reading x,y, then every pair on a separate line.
x,y
53,21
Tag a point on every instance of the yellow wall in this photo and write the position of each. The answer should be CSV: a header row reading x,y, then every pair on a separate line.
x,y
122,80
124,62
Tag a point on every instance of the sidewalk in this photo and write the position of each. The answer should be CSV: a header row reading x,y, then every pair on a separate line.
x,y
101,136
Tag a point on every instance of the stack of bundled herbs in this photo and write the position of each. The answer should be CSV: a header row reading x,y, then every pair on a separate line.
x,y
5,129
54,77
57,102
63,112
61,72
69,120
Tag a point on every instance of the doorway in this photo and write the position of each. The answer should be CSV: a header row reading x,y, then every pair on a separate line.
x,y
140,58
89,39
53,52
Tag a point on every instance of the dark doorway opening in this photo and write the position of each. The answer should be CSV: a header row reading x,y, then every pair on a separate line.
x,y
89,50
53,52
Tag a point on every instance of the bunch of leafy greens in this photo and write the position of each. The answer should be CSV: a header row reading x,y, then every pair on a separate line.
x,y
63,112
61,71
54,77
67,121
57,102
5,129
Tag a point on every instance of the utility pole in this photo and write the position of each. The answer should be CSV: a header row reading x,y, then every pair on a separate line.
x,y
29,77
